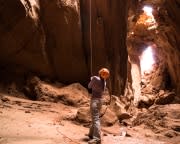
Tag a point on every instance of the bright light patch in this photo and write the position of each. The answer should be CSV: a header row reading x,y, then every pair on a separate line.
x,y
147,18
147,61
148,10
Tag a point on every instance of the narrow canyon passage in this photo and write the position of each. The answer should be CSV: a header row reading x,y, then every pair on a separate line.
x,y
49,49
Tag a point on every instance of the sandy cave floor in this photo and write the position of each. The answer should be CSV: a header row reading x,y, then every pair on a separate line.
x,y
33,122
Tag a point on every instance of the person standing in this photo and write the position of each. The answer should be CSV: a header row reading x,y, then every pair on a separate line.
x,y
97,85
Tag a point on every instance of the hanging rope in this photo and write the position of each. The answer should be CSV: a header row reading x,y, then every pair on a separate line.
x,y
90,36
91,51
65,136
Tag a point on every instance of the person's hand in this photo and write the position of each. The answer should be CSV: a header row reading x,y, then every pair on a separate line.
x,y
91,78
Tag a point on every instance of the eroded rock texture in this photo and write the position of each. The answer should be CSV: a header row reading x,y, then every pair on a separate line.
x,y
164,40
51,38
170,36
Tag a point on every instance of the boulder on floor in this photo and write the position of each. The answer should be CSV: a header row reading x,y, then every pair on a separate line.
x,y
74,94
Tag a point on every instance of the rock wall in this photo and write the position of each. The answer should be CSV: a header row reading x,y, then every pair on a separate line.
x,y
170,40
51,38
108,44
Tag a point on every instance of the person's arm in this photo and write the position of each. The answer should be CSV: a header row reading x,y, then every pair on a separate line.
x,y
91,83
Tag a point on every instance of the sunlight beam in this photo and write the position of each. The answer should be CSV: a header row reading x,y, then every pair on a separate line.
x,y
147,61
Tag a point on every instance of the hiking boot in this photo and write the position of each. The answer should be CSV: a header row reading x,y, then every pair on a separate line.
x,y
90,136
94,141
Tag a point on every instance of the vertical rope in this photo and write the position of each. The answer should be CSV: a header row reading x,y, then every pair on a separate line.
x,y
90,36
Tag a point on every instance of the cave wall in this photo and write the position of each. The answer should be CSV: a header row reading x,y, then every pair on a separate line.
x,y
45,37
108,31
22,39
62,25
51,38
169,39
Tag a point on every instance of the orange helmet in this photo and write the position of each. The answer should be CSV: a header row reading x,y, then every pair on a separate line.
x,y
104,73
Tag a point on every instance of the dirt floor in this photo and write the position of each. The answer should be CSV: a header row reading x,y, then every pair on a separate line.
x,y
34,122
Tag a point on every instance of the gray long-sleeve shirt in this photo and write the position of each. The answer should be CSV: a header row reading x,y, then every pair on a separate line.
x,y
97,85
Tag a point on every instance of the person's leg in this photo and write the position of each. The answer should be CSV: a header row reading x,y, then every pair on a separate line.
x,y
96,129
91,129
96,120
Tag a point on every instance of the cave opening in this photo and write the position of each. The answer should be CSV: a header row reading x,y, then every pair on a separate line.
x,y
149,70
148,10
147,19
